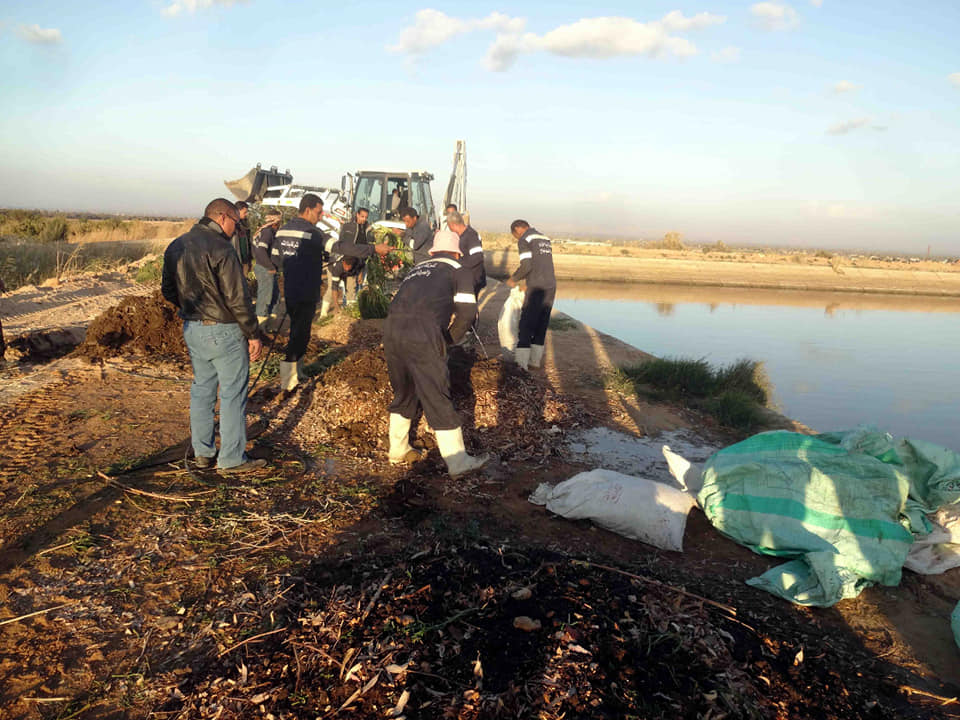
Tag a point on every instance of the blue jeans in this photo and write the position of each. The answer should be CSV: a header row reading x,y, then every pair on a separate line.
x,y
267,290
219,357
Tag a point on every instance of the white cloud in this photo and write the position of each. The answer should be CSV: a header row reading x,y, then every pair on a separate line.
x,y
191,6
842,128
845,86
612,36
775,15
816,3
729,54
601,37
954,79
674,20
40,36
433,28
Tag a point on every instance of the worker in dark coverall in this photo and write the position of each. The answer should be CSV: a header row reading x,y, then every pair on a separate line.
x,y
203,278
3,343
357,231
266,255
302,249
418,236
241,238
536,267
348,256
415,338
471,249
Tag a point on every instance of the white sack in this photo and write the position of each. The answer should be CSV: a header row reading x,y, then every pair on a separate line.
x,y
634,507
689,475
940,550
508,323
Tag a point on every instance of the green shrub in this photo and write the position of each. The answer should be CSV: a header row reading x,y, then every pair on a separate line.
x,y
559,323
150,272
54,230
735,395
735,409
747,377
678,377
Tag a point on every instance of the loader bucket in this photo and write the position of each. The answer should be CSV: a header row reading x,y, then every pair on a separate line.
x,y
254,184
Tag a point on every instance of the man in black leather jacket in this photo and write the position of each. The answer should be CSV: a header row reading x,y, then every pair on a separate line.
x,y
203,278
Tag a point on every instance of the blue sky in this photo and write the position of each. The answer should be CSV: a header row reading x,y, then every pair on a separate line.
x,y
810,122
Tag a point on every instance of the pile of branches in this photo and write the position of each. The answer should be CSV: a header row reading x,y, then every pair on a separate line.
x,y
502,408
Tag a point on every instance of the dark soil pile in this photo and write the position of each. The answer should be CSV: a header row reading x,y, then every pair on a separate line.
x,y
473,632
138,325
44,344
500,405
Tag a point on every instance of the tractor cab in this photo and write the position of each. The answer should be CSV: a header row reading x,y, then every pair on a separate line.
x,y
385,193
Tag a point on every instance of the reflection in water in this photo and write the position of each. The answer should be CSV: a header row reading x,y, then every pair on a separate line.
x,y
835,359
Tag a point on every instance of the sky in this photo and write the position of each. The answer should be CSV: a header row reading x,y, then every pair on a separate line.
x,y
813,123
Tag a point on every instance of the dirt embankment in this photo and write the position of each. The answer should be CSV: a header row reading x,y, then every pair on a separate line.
x,y
333,583
747,271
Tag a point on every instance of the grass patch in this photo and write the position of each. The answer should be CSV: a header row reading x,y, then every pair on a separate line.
x,y
150,272
270,366
616,380
26,263
559,323
678,378
735,409
735,394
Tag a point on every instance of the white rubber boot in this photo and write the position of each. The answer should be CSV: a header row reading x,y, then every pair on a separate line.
x,y
522,356
288,375
536,356
400,449
324,308
301,375
450,444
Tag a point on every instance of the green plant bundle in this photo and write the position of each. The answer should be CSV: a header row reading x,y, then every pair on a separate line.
x,y
373,302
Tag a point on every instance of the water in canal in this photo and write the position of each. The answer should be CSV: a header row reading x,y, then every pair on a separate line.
x,y
835,360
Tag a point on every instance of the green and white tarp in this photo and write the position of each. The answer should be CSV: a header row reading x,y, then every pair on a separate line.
x,y
844,505
955,624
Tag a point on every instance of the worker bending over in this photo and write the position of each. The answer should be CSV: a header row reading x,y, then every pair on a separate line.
x,y
348,255
536,267
301,245
415,338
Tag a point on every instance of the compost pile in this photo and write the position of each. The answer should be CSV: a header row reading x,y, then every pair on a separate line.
x,y
479,632
502,408
146,325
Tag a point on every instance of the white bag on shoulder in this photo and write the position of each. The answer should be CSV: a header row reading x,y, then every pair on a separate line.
x,y
508,323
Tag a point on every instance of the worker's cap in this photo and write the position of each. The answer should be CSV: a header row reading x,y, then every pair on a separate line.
x,y
445,241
